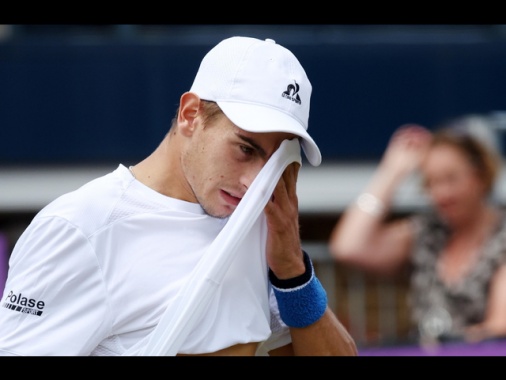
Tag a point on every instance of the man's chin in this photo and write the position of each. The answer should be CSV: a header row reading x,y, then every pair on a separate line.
x,y
224,213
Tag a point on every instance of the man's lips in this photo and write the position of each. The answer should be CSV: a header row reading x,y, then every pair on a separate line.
x,y
229,198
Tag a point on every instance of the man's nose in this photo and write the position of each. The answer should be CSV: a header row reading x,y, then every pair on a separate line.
x,y
249,175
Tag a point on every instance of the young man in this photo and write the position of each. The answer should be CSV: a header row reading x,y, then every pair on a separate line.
x,y
97,268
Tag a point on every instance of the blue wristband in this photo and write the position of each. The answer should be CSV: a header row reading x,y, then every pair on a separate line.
x,y
301,305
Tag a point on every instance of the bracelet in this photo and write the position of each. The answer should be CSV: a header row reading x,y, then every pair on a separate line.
x,y
302,300
370,204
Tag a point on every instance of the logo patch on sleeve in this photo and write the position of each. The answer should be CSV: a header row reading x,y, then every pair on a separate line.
x,y
22,304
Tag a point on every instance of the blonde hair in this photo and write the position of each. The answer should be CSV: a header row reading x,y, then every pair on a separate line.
x,y
477,144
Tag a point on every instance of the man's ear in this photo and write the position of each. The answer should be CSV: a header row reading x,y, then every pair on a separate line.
x,y
188,110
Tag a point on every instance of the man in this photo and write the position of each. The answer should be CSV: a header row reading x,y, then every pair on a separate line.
x,y
97,268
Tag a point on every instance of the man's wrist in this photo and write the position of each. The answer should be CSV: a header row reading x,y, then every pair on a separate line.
x,y
302,300
294,281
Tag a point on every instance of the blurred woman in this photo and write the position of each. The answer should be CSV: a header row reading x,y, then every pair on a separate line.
x,y
456,251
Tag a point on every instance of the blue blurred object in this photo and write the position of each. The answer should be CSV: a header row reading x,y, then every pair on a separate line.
x,y
85,99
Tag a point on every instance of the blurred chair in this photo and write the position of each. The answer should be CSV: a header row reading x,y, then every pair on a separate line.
x,y
375,310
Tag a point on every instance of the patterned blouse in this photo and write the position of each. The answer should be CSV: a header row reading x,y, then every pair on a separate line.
x,y
440,312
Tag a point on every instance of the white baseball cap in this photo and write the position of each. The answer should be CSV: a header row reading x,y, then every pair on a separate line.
x,y
260,86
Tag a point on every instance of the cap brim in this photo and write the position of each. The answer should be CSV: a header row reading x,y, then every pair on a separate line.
x,y
261,119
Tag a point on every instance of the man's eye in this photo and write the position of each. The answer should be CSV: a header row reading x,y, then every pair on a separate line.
x,y
246,149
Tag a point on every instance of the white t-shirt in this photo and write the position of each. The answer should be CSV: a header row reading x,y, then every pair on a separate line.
x,y
96,269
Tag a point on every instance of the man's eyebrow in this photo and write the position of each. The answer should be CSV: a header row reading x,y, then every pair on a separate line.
x,y
255,145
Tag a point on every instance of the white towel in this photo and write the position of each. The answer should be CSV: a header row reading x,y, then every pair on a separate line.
x,y
193,298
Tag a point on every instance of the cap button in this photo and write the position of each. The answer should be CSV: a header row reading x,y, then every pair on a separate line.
x,y
270,40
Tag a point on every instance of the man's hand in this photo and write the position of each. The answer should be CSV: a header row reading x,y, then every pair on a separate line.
x,y
284,250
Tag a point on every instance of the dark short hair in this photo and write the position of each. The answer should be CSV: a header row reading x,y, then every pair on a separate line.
x,y
210,110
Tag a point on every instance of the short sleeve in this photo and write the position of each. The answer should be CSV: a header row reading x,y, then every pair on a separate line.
x,y
54,289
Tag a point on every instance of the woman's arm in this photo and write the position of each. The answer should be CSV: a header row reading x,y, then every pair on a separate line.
x,y
494,324
362,237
